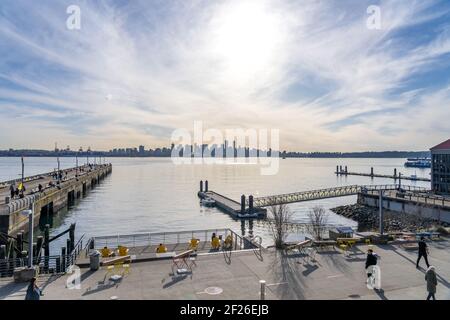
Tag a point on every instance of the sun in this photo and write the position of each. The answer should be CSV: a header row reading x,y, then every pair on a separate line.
x,y
245,37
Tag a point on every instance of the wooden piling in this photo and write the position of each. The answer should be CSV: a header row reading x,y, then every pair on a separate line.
x,y
63,259
250,204
206,185
72,236
201,185
242,204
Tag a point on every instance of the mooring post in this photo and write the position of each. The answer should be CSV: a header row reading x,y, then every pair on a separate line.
x,y
337,170
346,170
206,185
371,171
63,259
250,204
340,169
381,212
242,204
58,264
201,185
72,236
395,172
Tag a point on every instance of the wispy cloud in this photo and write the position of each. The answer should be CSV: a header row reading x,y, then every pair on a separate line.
x,y
137,70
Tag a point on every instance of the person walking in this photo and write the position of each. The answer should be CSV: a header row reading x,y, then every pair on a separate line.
x,y
372,276
33,291
431,279
423,252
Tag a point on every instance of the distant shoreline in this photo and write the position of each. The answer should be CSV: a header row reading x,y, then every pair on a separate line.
x,y
373,155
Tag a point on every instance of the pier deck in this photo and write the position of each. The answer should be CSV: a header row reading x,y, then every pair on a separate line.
x,y
332,275
54,195
232,207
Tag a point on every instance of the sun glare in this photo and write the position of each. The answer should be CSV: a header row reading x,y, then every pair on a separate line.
x,y
245,37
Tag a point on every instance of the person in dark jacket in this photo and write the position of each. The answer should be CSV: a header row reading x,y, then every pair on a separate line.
x,y
423,252
431,279
371,260
33,291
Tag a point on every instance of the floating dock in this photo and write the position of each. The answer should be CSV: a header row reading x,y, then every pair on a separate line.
x,y
235,209
46,194
396,176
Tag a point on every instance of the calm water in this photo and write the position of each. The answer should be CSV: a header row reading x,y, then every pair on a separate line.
x,y
154,195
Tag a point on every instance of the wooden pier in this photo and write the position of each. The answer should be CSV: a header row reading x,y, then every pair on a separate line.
x,y
396,176
243,210
46,194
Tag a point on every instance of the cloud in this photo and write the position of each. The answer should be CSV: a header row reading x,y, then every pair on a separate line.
x,y
138,70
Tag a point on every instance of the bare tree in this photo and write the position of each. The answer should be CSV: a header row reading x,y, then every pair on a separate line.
x,y
279,223
318,219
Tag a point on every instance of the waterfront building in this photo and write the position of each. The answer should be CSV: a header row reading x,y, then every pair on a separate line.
x,y
440,168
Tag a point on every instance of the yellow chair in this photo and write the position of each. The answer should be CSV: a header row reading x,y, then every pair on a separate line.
x,y
228,244
215,243
193,244
344,248
126,268
123,251
368,241
105,252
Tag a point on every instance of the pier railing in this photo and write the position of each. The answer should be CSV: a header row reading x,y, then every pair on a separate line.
x,y
154,239
340,191
45,265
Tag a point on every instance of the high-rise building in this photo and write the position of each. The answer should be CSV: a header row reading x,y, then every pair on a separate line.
x,y
440,168
141,149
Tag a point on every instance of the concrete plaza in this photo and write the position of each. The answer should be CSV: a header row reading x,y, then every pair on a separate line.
x,y
331,275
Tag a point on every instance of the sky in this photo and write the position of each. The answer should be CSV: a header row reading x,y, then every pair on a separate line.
x,y
135,71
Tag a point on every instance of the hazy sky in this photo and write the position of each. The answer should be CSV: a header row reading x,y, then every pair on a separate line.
x,y
137,70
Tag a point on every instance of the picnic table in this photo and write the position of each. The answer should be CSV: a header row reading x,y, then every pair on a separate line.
x,y
183,259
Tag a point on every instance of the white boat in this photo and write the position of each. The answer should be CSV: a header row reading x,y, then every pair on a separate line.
x,y
208,202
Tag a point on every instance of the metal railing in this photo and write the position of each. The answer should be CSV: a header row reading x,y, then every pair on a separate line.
x,y
44,265
341,191
154,239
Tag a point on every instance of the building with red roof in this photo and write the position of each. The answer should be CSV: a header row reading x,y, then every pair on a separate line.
x,y
440,168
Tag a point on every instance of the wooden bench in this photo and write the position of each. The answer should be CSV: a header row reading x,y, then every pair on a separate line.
x,y
116,260
324,243
298,246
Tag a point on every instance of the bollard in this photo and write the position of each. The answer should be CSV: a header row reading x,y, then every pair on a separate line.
x,y
201,185
63,259
250,204
58,265
263,289
72,236
206,185
242,204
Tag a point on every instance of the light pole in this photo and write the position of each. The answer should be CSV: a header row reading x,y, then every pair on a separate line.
x,y
23,170
59,172
381,212
30,214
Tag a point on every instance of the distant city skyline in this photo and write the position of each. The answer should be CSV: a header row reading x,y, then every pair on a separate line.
x,y
133,72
